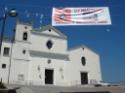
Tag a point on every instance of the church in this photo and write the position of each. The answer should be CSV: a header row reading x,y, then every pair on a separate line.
x,y
41,57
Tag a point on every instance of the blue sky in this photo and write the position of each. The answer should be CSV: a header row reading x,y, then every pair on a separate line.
x,y
108,41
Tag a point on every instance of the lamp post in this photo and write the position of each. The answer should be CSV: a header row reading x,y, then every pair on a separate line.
x,y
11,13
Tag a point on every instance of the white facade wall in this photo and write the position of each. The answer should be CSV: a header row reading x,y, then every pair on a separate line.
x,y
29,67
59,45
38,75
92,66
4,72
17,51
19,72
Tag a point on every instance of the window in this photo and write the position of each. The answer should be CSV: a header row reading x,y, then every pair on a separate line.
x,y
40,76
83,60
83,48
49,61
6,51
3,66
24,51
20,77
49,44
38,67
25,27
25,36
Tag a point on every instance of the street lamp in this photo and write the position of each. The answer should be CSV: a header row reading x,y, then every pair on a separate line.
x,y
11,13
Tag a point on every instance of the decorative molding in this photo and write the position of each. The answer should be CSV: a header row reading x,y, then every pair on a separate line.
x,y
49,55
21,59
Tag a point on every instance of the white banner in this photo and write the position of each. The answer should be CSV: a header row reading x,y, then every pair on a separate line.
x,y
81,16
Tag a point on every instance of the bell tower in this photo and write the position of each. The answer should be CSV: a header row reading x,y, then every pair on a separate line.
x,y
20,57
23,31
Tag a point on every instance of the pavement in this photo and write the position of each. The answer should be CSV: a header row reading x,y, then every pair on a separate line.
x,y
73,89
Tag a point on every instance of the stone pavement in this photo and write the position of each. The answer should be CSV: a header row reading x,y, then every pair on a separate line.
x,y
73,89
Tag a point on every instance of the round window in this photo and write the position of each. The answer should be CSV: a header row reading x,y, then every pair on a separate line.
x,y
49,30
83,60
49,44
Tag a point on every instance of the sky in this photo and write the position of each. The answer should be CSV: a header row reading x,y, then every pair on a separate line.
x,y
108,41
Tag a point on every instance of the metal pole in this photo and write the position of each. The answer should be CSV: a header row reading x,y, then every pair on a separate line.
x,y
2,32
11,57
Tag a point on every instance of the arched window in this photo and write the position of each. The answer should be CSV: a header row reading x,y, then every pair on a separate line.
x,y
83,60
25,36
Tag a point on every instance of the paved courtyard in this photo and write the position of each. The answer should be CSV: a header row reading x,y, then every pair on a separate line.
x,y
73,89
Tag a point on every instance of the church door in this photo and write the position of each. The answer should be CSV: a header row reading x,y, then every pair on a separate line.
x,y
84,78
48,76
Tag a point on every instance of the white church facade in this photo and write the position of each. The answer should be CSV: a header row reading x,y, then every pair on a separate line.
x,y
41,57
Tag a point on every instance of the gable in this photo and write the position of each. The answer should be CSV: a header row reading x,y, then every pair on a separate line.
x,y
82,47
50,30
